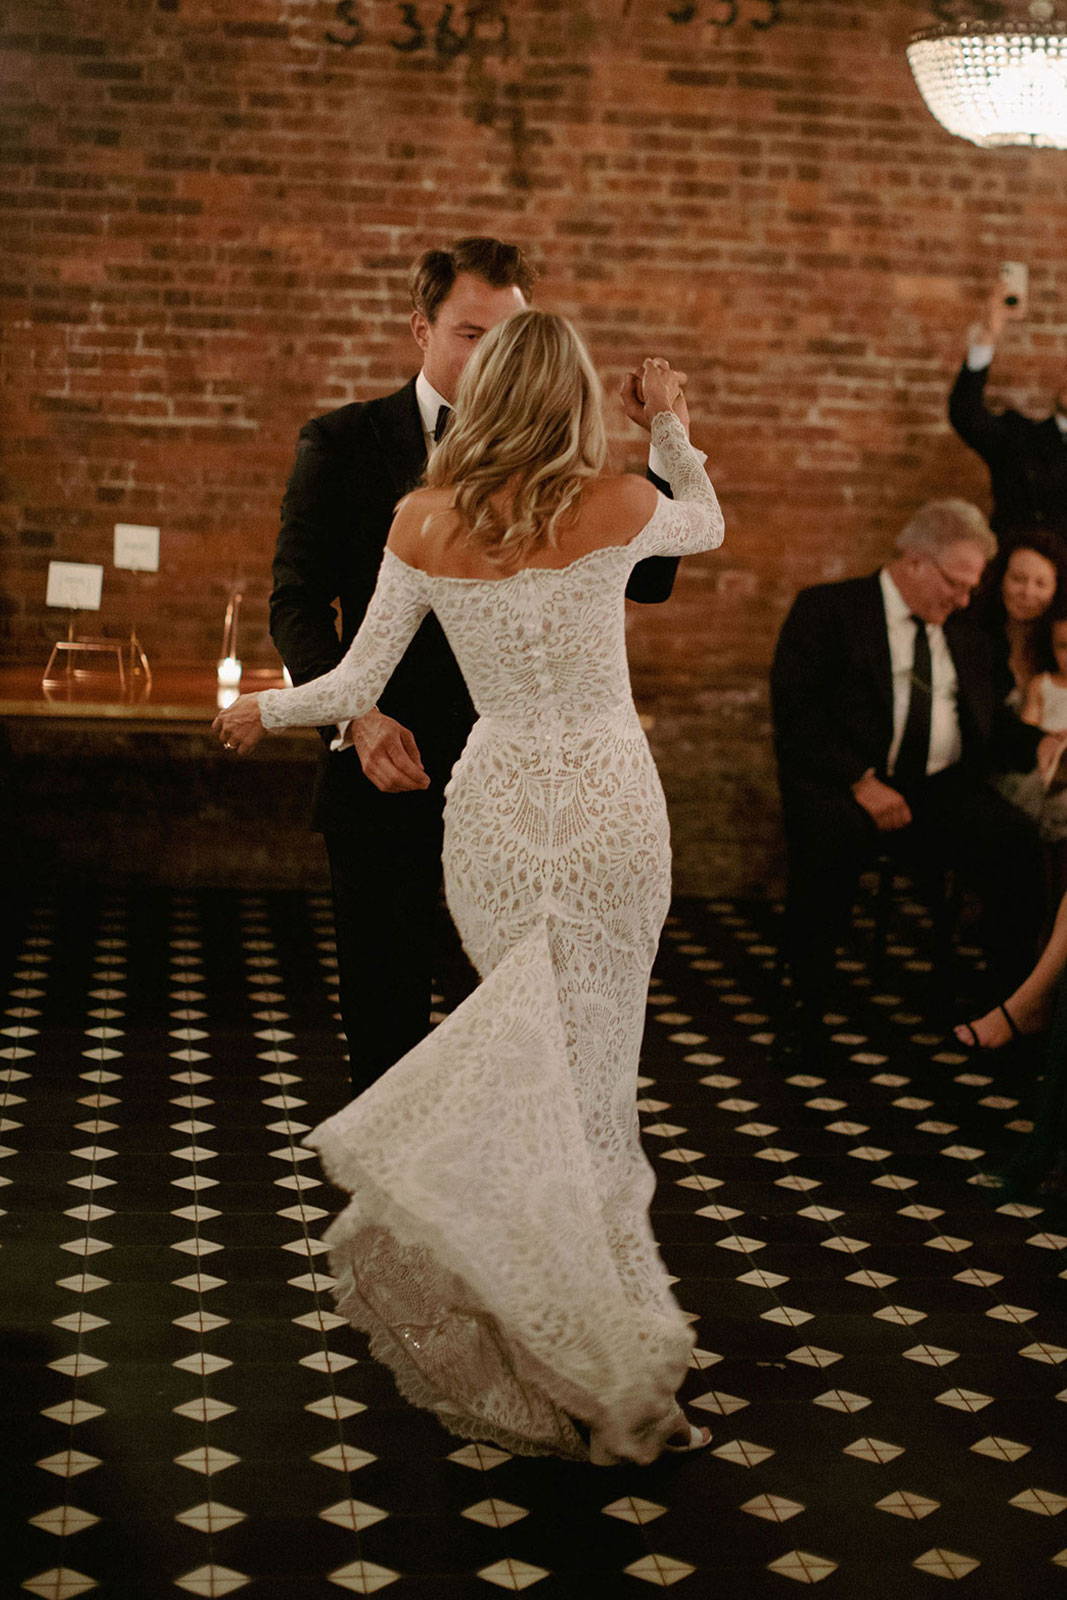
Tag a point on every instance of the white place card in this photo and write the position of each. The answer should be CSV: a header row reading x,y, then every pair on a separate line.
x,y
76,585
136,547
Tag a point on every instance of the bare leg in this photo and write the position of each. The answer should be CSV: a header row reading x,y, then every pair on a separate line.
x,y
1031,1004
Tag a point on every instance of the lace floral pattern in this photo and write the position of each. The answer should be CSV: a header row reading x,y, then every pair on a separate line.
x,y
497,1246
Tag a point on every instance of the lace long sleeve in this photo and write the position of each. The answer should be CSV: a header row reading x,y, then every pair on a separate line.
x,y
399,603
693,520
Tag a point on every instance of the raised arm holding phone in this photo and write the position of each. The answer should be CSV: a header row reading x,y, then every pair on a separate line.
x,y
1026,456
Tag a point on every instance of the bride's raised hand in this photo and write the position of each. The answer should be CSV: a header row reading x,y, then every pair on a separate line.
x,y
663,389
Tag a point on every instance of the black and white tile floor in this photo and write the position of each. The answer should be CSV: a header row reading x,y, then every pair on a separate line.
x,y
882,1349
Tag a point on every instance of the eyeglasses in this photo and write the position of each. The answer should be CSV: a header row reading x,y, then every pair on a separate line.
x,y
960,586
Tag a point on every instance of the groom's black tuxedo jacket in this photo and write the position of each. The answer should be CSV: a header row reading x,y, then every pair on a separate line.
x,y
832,692
352,466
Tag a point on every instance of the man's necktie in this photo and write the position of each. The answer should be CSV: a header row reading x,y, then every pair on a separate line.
x,y
910,767
444,417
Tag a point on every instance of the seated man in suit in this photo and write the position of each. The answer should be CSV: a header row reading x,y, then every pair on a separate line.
x,y
1026,457
888,714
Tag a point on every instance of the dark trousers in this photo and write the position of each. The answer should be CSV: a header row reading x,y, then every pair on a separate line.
x,y
391,928
958,822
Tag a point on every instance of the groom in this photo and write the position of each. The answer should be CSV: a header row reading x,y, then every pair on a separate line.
x,y
379,793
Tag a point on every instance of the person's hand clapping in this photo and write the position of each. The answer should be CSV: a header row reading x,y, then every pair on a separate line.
x,y
240,727
636,395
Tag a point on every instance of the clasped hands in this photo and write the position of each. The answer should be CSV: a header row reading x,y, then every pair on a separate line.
x,y
651,388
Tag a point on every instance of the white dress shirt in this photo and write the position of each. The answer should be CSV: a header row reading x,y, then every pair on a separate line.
x,y
946,745
430,403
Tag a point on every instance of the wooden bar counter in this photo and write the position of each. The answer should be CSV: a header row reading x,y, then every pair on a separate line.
x,y
130,786
178,696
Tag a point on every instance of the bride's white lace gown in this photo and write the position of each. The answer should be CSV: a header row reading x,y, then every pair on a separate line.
x,y
497,1247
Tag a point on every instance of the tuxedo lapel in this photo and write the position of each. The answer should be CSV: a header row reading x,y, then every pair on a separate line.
x,y
397,426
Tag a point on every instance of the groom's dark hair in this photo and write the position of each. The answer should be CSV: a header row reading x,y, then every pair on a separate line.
x,y
503,266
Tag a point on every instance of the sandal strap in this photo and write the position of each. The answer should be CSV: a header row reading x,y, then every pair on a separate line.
x,y
1010,1020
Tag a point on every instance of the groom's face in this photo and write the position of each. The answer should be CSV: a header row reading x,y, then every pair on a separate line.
x,y
470,309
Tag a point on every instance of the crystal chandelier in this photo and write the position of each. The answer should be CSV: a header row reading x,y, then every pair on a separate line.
x,y
997,83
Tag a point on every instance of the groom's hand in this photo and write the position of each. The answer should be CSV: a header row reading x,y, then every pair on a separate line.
x,y
388,753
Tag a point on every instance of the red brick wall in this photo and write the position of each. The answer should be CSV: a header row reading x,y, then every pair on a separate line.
x,y
207,209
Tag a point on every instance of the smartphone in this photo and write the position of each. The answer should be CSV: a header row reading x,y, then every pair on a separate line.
x,y
1014,285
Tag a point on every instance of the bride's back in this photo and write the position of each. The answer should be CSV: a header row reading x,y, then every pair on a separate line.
x,y
428,533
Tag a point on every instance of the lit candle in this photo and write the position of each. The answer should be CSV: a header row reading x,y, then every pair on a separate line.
x,y
225,697
229,672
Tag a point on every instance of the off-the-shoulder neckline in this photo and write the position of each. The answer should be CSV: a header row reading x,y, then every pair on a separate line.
x,y
522,572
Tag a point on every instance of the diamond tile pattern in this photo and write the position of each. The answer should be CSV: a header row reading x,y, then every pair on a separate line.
x,y
195,1418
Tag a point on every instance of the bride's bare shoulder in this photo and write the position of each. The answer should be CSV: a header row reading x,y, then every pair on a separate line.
x,y
421,518
628,500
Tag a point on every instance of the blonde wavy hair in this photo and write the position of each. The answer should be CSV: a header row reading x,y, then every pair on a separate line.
x,y
528,430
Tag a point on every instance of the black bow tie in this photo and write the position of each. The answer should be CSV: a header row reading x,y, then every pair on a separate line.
x,y
444,417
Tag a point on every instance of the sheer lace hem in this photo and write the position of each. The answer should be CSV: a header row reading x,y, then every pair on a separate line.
x,y
447,1354
496,1248
451,1356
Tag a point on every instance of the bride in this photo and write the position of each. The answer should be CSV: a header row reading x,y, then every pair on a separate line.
x,y
497,1246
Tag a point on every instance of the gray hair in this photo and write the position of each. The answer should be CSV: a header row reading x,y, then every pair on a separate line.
x,y
940,523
